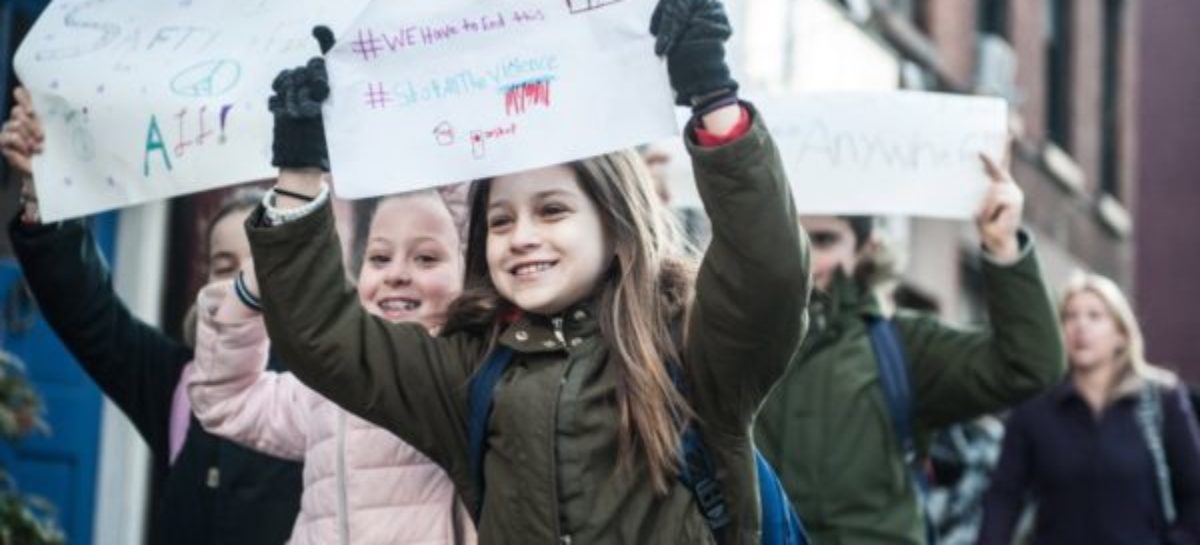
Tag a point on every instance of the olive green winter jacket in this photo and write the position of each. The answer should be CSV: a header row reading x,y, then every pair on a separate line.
x,y
826,428
551,469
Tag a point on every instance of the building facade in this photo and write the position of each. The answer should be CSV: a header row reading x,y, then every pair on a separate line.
x,y
1167,261
1068,70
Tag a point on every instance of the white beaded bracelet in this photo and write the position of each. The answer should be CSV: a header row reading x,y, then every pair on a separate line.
x,y
276,216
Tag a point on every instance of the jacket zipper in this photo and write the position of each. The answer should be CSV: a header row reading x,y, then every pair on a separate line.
x,y
558,330
343,512
563,539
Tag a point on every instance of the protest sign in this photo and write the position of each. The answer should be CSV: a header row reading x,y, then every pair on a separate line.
x,y
143,99
880,152
434,92
906,153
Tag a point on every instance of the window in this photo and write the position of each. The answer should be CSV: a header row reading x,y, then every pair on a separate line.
x,y
996,61
1110,151
1058,72
992,17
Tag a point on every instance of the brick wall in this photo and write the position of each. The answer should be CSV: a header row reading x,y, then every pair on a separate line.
x,y
1066,216
1168,199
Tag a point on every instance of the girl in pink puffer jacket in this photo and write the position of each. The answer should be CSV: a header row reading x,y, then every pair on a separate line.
x,y
362,485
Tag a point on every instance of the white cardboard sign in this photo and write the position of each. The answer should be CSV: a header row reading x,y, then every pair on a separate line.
x,y
427,93
883,153
143,100
873,152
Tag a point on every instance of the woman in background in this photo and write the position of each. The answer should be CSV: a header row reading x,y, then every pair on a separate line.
x,y
1112,455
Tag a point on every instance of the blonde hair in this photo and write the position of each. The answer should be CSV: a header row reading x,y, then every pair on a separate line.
x,y
1133,357
453,196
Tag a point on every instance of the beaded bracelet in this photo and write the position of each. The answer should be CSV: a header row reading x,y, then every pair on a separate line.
x,y
294,195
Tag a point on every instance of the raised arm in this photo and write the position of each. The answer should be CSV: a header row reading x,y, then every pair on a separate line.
x,y
134,364
394,375
960,374
749,314
963,373
233,394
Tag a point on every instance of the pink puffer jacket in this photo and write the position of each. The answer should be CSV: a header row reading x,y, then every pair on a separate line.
x,y
362,485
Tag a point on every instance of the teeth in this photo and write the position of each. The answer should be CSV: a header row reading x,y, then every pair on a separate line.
x,y
532,268
399,304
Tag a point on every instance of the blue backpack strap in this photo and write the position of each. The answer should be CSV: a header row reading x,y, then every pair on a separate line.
x,y
893,376
698,473
780,524
479,403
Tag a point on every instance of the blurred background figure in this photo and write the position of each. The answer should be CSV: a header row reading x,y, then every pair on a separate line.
x,y
665,172
1110,456
961,461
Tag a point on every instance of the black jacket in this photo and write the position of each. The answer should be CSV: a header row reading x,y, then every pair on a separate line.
x,y
216,492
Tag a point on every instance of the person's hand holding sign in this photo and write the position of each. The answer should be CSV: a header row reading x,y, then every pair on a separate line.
x,y
999,217
299,148
22,138
692,35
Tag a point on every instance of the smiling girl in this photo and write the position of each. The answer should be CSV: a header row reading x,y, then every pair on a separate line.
x,y
576,269
362,484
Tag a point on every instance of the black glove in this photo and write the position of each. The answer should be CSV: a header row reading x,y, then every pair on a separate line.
x,y
296,104
692,35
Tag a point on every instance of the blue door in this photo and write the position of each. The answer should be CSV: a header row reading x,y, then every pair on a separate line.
x,y
62,466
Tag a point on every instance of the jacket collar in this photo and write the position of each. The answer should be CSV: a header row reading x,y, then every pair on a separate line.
x,y
1128,387
534,333
845,297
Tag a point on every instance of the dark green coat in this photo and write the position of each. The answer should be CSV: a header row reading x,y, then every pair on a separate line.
x,y
551,470
826,427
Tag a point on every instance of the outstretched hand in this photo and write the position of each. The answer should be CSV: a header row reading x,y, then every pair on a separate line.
x,y
692,35
999,216
299,128
300,91
20,139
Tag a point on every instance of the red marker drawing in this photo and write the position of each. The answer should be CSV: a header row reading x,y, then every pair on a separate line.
x,y
478,149
444,134
523,95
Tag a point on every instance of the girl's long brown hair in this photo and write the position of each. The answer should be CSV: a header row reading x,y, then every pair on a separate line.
x,y
642,300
